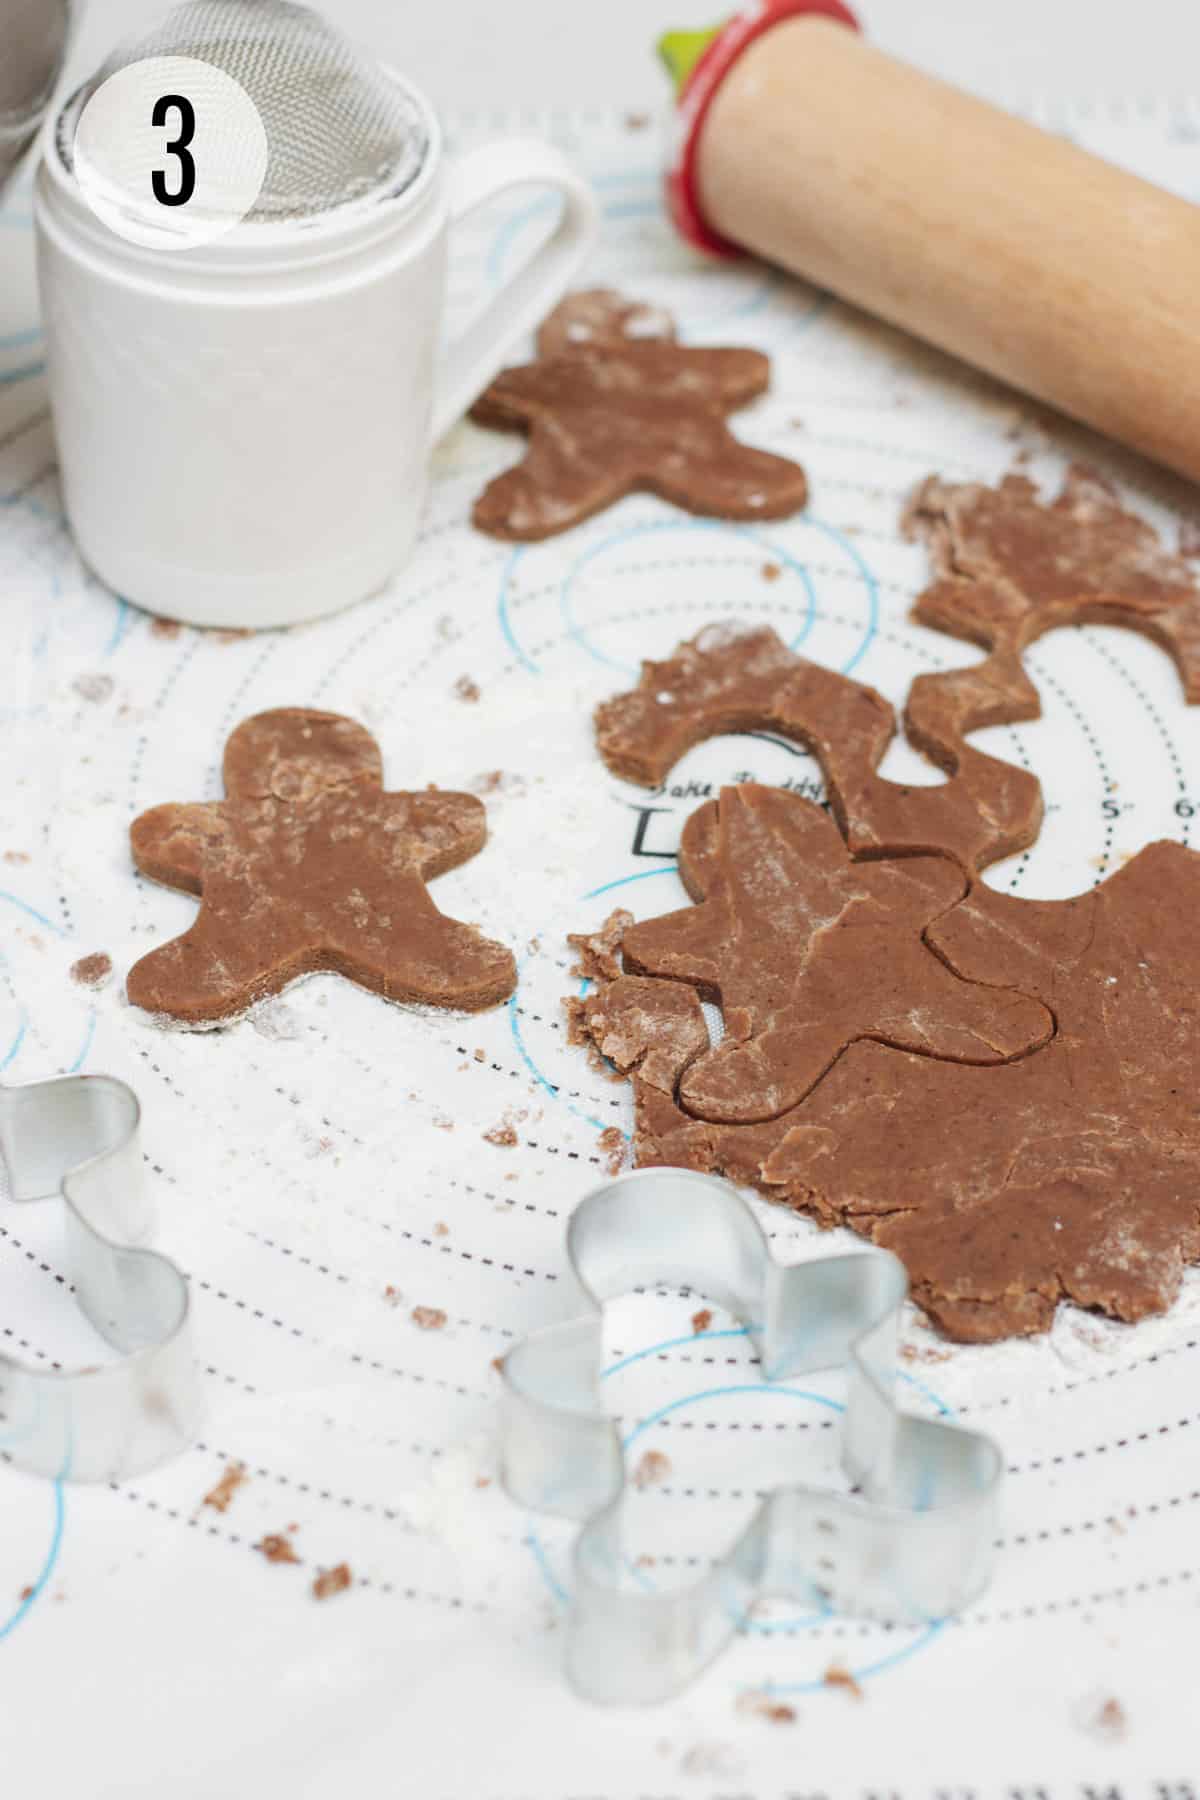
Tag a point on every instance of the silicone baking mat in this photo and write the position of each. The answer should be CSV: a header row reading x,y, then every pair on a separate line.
x,y
322,1170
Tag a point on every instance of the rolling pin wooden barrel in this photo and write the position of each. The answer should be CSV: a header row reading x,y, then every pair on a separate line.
x,y
1016,250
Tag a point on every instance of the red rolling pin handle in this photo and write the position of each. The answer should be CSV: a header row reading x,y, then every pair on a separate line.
x,y
700,61
1057,272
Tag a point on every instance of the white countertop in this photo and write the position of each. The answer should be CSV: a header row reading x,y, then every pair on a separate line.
x,y
475,52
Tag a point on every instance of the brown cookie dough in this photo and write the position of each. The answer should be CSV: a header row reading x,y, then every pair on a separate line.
x,y
308,865
731,679
613,406
806,951
1011,566
1071,1173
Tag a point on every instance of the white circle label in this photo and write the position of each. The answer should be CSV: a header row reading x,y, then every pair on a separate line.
x,y
170,152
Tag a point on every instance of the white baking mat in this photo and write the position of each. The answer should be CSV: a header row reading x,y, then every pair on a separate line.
x,y
332,1149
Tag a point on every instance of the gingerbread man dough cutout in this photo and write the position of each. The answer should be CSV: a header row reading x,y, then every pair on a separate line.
x,y
614,405
806,952
308,865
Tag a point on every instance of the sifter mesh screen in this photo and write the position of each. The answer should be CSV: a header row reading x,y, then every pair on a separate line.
x,y
338,129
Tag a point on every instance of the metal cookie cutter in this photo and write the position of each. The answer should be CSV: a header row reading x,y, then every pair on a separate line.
x,y
79,1137
914,1543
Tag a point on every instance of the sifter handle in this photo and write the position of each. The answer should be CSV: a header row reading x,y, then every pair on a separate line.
x,y
474,358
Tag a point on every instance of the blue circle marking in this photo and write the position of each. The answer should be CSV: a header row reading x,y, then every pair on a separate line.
x,y
805,1621
37,1587
514,1016
576,632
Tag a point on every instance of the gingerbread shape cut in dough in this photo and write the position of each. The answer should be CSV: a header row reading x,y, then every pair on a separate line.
x,y
308,865
615,406
1011,567
731,679
1069,1174
806,951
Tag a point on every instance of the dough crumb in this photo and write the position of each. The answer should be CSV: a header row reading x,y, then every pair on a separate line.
x,y
277,1548
652,1470
613,1148
487,784
428,1318
1102,1717
332,1581
921,1353
600,951
763,1705
93,971
219,1497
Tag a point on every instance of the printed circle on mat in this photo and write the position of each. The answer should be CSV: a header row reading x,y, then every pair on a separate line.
x,y
170,152
585,592
705,1439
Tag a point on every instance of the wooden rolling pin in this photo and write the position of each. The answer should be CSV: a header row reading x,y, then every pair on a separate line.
x,y
1017,251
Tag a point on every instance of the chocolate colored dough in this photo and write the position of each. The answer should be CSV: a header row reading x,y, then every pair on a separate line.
x,y
601,316
1070,1173
308,865
730,679
1011,567
610,411
806,951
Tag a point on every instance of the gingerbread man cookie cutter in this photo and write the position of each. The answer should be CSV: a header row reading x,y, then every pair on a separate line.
x,y
78,1137
913,1543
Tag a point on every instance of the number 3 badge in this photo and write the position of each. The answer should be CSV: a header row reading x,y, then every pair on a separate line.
x,y
170,152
